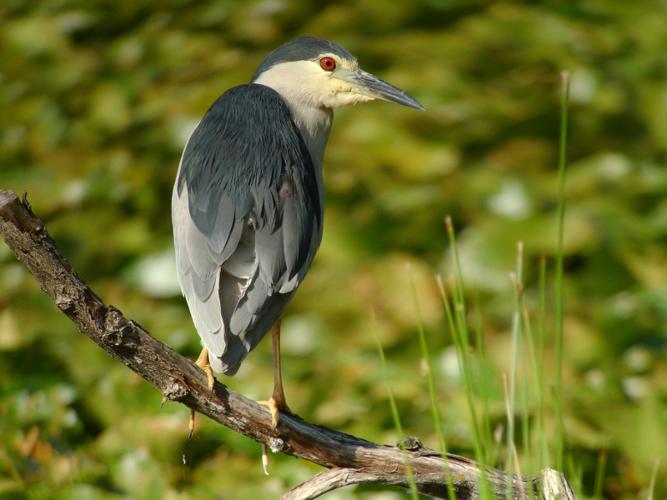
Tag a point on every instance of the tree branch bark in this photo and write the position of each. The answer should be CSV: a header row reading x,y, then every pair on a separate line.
x,y
351,459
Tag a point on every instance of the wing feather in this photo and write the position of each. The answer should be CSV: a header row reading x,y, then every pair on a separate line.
x,y
247,220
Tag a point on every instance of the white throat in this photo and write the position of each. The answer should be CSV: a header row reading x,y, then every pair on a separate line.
x,y
314,124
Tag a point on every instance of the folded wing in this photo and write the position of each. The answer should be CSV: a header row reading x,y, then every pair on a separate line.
x,y
247,220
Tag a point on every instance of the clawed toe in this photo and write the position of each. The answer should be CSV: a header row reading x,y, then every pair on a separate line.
x,y
276,407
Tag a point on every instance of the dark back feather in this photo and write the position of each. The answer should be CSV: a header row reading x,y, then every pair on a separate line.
x,y
252,194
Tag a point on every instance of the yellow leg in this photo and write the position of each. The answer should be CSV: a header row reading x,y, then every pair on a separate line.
x,y
277,403
202,362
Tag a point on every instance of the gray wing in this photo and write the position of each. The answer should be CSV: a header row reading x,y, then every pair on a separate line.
x,y
247,220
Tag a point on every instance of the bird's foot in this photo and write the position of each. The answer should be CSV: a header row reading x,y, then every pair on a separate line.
x,y
276,406
277,403
203,363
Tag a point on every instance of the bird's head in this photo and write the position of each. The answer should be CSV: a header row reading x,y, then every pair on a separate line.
x,y
317,73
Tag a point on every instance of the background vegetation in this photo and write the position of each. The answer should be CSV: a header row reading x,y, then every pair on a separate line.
x,y
97,99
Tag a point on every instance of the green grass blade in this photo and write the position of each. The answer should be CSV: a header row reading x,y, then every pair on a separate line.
x,y
538,384
525,419
575,475
457,318
599,475
541,335
562,161
513,466
397,421
484,390
654,477
464,365
517,279
435,414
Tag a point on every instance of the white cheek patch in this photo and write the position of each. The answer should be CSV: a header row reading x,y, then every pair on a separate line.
x,y
304,83
294,75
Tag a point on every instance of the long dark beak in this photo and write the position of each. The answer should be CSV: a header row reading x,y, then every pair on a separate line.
x,y
372,86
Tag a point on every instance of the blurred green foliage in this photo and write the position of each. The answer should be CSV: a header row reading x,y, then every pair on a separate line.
x,y
97,99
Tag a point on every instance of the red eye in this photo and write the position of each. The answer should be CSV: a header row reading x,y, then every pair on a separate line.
x,y
328,63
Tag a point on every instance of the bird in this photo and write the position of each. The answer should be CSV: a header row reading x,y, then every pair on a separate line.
x,y
248,200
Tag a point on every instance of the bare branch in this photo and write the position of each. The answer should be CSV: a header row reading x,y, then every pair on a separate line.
x,y
553,484
352,459
330,480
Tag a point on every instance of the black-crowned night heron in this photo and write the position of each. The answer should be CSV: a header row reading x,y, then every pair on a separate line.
x,y
247,205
